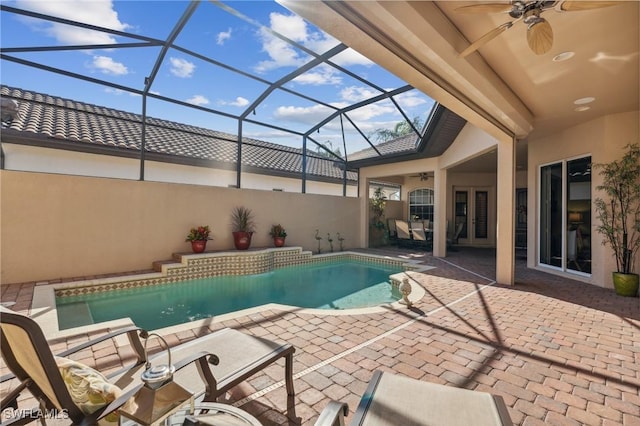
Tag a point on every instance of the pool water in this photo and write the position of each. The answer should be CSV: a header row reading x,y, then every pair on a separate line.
x,y
337,285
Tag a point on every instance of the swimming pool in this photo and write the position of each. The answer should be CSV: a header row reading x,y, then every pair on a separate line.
x,y
341,284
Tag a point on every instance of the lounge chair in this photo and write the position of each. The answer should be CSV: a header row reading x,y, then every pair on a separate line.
x,y
397,400
201,372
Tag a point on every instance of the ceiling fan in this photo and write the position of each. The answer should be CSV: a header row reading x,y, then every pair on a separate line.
x,y
539,31
423,176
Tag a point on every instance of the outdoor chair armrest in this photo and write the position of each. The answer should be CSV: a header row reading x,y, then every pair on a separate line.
x,y
333,414
132,333
212,359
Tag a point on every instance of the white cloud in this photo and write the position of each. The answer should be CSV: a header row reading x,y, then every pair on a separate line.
x,y
223,36
354,94
281,53
108,66
181,67
308,115
321,75
410,100
198,100
238,102
290,26
371,111
96,12
113,91
350,57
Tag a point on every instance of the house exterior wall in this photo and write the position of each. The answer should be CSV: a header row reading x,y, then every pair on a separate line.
x,y
47,160
604,139
118,225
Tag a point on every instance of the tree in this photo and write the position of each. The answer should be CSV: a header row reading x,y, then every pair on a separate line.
x,y
400,129
329,145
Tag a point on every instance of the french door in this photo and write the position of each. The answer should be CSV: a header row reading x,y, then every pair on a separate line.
x,y
472,216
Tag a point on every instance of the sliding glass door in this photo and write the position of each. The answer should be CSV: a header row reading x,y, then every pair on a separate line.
x,y
565,215
551,215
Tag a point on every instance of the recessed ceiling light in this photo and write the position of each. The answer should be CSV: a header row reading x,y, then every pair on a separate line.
x,y
563,56
583,101
583,108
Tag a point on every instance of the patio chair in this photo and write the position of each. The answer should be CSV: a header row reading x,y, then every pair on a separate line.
x,y
421,235
392,399
27,354
451,243
402,230
393,233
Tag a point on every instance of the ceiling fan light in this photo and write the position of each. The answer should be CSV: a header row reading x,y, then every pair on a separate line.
x,y
583,108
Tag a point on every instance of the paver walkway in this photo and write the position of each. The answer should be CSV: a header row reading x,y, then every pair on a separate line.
x,y
558,351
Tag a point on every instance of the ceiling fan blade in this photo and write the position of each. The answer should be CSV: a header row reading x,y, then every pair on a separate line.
x,y
485,8
576,6
485,39
540,37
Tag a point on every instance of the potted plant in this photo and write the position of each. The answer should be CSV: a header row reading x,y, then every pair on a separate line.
x,y
279,234
243,226
198,237
619,216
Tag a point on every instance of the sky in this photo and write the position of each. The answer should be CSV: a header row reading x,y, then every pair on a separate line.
x,y
241,37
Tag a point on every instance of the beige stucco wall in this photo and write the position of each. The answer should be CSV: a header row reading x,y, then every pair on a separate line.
x,y
59,226
47,160
604,139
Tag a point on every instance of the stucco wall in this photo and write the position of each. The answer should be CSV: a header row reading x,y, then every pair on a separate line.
x,y
47,160
60,226
604,139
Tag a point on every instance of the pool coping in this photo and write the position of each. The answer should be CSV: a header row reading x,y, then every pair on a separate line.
x,y
44,310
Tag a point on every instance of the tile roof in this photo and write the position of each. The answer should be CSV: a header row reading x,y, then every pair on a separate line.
x,y
406,143
442,129
52,119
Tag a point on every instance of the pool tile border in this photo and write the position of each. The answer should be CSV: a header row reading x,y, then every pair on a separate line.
x,y
205,265
210,265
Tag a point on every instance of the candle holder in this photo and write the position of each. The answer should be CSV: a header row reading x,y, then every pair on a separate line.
x,y
159,396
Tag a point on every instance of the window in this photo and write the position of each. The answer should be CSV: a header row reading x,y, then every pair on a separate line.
x,y
565,215
421,204
389,190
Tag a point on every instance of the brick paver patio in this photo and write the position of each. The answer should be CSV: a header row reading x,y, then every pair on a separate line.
x,y
558,351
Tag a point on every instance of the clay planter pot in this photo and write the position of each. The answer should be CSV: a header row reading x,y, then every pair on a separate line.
x,y
242,240
198,246
278,241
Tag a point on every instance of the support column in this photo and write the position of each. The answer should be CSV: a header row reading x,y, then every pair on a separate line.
x,y
505,227
440,212
363,193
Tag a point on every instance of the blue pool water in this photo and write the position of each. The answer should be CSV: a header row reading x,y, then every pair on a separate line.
x,y
338,285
